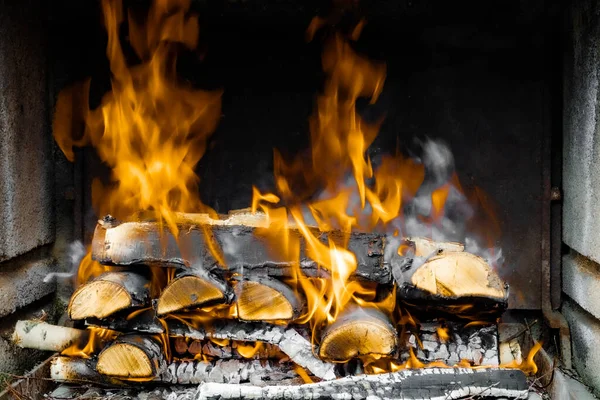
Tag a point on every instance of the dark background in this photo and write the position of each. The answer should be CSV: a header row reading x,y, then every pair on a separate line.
x,y
483,76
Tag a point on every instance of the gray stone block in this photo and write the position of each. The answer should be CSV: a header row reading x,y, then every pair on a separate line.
x,y
25,153
581,177
581,281
585,342
23,284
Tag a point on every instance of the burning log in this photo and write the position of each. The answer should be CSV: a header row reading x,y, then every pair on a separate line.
x,y
266,299
425,247
357,332
452,343
132,356
450,284
148,243
143,321
33,334
454,274
109,293
429,383
256,351
192,289
289,341
227,371
77,370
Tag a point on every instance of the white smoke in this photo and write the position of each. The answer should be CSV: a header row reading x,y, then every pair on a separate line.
x,y
75,253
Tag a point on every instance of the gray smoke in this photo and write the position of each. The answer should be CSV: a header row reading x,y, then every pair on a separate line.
x,y
75,253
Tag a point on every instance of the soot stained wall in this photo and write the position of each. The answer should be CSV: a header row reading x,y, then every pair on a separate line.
x,y
475,74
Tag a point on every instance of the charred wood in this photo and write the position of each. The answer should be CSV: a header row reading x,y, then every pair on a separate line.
x,y
428,383
227,371
141,321
358,332
290,342
77,370
235,350
452,342
242,248
109,293
449,284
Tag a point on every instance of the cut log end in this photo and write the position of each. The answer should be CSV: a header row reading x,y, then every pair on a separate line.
x,y
188,291
456,274
357,333
132,357
266,300
107,294
98,299
425,247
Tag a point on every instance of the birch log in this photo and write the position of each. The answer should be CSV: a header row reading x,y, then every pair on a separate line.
x,y
289,341
421,384
358,332
109,293
77,370
236,241
33,334
193,288
266,299
132,356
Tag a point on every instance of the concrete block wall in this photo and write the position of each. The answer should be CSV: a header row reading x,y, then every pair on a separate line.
x,y
581,188
27,179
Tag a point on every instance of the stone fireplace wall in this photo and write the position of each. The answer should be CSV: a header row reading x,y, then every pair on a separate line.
x,y
581,188
27,177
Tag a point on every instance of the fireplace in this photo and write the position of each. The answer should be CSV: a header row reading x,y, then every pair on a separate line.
x,y
481,116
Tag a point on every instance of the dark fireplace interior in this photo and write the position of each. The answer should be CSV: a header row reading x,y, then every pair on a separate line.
x,y
509,86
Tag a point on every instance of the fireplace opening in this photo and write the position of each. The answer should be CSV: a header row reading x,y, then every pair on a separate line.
x,y
238,199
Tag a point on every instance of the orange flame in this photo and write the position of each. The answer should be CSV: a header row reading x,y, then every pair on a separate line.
x,y
150,129
90,343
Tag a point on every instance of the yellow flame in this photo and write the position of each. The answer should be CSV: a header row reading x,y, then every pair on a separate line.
x,y
248,350
90,343
150,129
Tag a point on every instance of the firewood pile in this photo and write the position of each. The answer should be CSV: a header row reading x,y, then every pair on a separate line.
x,y
230,321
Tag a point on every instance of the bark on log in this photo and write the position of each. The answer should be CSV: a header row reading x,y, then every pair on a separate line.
x,y
289,341
266,299
429,383
109,293
132,356
143,321
357,332
33,334
81,371
452,342
77,370
192,289
242,249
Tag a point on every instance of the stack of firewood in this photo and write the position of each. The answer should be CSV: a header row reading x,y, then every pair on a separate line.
x,y
237,324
